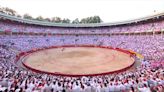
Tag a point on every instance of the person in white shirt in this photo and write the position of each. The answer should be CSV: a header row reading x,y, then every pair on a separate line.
x,y
76,87
111,87
87,87
144,89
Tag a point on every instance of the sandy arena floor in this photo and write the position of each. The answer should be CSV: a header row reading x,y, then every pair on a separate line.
x,y
78,60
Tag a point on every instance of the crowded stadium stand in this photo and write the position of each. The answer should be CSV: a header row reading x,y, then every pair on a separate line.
x,y
143,37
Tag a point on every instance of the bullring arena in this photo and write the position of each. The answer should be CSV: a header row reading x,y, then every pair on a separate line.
x,y
37,56
81,60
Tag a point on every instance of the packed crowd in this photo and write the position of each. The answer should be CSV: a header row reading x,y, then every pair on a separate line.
x,y
16,79
150,46
147,77
18,27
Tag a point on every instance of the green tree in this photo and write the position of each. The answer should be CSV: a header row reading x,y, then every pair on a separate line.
x,y
27,16
18,15
40,18
47,19
8,11
94,19
76,21
65,20
83,21
56,19
97,19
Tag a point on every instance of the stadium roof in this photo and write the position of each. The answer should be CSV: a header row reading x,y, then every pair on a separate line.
x,y
44,23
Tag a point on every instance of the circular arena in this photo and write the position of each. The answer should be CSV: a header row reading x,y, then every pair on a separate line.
x,y
78,61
